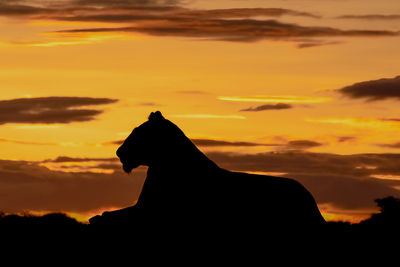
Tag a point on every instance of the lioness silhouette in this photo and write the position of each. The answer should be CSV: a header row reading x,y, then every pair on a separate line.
x,y
183,186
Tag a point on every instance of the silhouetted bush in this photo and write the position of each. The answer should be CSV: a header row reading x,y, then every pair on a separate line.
x,y
61,229
53,225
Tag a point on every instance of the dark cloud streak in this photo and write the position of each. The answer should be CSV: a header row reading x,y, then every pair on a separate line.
x,y
341,180
168,18
302,144
50,109
240,30
278,106
21,10
125,3
219,143
371,17
63,159
28,186
203,142
393,145
374,90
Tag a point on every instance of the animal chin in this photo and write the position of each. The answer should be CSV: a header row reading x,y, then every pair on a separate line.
x,y
129,167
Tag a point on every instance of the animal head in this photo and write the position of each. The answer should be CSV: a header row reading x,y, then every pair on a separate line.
x,y
149,143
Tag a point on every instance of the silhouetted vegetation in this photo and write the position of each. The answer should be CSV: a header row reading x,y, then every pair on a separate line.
x,y
382,225
55,225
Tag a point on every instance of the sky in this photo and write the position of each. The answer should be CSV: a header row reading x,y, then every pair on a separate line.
x,y
307,89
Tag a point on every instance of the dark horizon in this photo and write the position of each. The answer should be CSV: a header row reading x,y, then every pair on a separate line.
x,y
306,89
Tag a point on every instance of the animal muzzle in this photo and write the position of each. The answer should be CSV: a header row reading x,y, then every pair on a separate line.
x,y
128,166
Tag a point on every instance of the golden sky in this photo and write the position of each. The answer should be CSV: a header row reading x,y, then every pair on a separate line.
x,y
313,81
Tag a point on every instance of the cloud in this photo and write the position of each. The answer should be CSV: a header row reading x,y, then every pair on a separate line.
x,y
290,145
116,142
248,12
347,182
344,181
390,119
208,116
381,124
238,30
175,13
393,145
49,110
63,159
371,17
20,10
20,142
374,90
148,104
342,139
125,3
268,107
82,165
276,99
77,40
169,18
28,186
302,144
218,143
205,142
316,43
132,11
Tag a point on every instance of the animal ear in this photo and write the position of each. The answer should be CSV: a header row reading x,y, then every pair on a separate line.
x,y
156,116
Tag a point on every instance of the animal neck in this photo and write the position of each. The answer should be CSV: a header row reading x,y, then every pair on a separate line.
x,y
185,158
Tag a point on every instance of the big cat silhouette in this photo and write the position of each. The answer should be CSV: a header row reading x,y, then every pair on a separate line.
x,y
185,189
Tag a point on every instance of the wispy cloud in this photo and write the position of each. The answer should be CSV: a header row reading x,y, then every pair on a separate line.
x,y
82,165
301,144
342,139
148,104
219,143
71,40
62,159
395,145
278,106
371,17
115,142
48,110
276,99
208,116
345,181
245,30
170,18
58,186
175,14
207,142
316,43
358,122
21,142
17,8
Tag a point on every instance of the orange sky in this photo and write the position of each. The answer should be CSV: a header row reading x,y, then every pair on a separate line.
x,y
203,68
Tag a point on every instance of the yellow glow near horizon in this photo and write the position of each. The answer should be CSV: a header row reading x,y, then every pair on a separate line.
x,y
359,122
386,176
